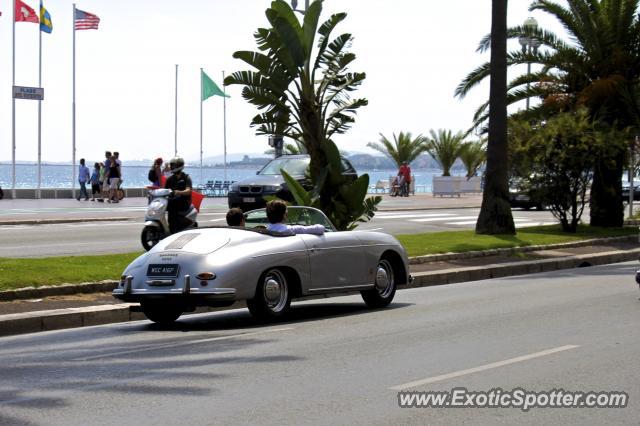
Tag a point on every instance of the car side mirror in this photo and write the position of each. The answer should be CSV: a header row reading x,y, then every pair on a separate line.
x,y
258,172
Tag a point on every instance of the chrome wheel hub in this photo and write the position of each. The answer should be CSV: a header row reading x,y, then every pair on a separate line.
x,y
275,290
272,290
384,279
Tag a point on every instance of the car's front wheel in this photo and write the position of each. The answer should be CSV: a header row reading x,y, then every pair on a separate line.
x,y
163,314
385,286
273,296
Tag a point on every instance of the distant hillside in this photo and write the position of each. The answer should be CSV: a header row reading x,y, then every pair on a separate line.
x,y
367,161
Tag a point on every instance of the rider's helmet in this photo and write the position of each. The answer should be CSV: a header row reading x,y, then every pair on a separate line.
x,y
176,164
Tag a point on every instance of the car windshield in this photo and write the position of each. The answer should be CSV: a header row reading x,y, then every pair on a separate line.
x,y
293,166
296,215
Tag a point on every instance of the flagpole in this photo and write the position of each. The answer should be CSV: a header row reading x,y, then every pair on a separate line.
x,y
224,126
201,125
175,120
73,108
38,192
13,108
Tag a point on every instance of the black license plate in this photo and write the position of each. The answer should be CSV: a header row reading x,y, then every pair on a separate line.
x,y
165,270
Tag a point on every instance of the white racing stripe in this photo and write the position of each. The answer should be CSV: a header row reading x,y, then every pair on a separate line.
x,y
178,344
482,368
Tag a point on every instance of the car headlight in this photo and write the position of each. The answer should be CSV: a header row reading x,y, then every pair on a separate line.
x,y
234,187
271,188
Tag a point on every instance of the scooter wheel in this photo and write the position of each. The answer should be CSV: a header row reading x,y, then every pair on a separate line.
x,y
150,236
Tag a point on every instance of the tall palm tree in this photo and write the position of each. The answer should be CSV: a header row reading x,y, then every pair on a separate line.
x,y
403,148
599,68
445,148
473,155
301,83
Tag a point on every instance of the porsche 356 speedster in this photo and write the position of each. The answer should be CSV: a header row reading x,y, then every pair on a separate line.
x,y
217,266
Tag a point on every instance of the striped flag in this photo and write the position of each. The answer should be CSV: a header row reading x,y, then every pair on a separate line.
x,y
85,20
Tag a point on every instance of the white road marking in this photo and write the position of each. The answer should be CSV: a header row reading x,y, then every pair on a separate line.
x,y
408,216
462,222
482,368
218,220
175,345
525,224
434,219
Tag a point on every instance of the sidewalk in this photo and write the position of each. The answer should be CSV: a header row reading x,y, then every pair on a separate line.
x,y
77,310
25,212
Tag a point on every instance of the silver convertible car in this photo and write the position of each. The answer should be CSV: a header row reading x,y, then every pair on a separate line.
x,y
217,266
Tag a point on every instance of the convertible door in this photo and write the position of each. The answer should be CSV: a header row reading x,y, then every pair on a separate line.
x,y
336,261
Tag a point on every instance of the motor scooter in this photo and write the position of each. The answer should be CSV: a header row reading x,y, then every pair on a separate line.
x,y
156,225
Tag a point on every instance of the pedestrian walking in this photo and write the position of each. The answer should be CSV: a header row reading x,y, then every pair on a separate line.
x,y
95,183
114,179
405,171
106,167
83,177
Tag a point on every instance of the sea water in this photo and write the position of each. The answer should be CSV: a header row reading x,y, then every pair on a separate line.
x,y
61,176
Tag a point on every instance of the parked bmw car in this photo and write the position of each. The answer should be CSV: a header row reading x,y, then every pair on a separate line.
x,y
522,196
219,265
248,194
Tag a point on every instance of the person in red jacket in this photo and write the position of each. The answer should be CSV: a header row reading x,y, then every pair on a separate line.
x,y
405,172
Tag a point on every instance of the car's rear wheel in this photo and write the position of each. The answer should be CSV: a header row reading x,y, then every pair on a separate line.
x,y
385,286
273,296
163,314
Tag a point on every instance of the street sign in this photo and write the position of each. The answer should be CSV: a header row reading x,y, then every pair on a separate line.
x,y
34,93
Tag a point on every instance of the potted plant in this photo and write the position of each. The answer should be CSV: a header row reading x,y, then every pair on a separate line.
x,y
445,147
473,155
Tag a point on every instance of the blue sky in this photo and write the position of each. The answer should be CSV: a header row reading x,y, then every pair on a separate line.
x,y
414,54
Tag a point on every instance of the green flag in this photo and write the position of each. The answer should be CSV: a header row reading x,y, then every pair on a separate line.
x,y
209,88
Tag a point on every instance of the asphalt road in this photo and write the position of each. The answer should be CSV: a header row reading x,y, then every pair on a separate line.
x,y
335,362
124,236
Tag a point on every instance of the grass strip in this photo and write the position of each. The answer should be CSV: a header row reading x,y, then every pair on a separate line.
x,y
468,240
21,272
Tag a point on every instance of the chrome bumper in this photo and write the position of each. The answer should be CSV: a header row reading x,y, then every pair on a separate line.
x,y
168,288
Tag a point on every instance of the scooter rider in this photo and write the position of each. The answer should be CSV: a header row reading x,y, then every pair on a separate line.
x,y
180,200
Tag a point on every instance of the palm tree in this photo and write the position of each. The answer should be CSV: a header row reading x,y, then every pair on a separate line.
x,y
403,148
598,69
302,87
445,148
473,155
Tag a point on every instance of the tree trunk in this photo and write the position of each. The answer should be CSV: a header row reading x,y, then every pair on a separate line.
x,y
495,213
605,207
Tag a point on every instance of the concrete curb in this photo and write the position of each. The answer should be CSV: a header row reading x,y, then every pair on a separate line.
x,y
55,221
513,250
61,290
485,272
96,315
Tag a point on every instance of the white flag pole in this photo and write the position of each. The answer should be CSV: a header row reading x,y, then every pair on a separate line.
x,y
175,119
73,108
38,192
224,125
13,108
201,93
